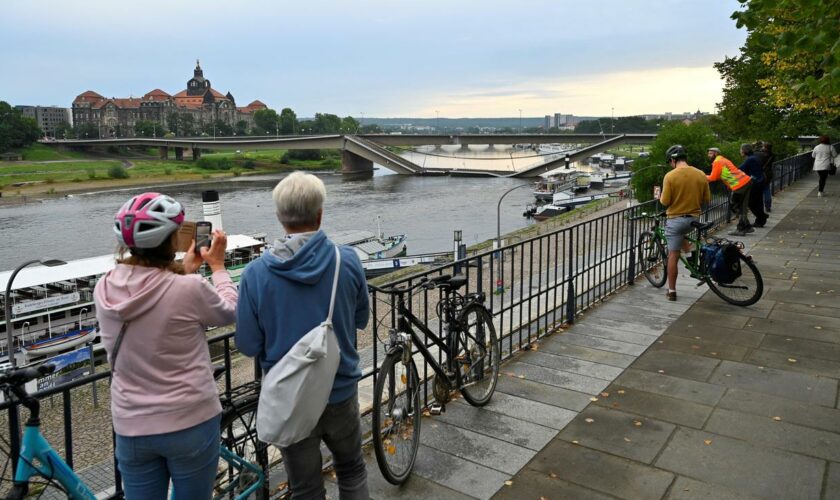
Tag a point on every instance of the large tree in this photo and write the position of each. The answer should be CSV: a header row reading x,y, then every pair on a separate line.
x,y
796,44
267,120
288,121
326,123
16,130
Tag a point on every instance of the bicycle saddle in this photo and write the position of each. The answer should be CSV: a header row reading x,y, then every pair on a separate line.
x,y
454,282
702,226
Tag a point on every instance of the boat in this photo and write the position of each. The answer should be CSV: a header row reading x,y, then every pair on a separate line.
x,y
563,202
369,245
596,179
582,182
560,180
60,343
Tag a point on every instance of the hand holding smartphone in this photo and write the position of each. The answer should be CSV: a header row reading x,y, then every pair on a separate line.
x,y
202,235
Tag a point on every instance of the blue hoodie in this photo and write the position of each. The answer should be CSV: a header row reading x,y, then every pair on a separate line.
x,y
282,298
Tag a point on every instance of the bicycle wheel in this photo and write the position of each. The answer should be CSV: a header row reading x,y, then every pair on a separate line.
x,y
396,417
745,290
477,355
239,435
653,258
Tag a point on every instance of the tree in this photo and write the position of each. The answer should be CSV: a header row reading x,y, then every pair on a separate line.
x,y
173,122
148,128
64,131
288,121
187,124
267,120
798,47
16,130
86,131
648,172
349,125
326,123
241,128
371,128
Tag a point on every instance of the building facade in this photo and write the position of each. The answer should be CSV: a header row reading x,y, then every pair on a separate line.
x,y
188,112
48,117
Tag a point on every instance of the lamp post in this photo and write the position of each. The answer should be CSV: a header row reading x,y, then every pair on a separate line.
x,y
10,327
520,121
498,245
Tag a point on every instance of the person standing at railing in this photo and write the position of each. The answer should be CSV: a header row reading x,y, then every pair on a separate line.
x,y
753,167
738,183
284,295
153,313
684,192
764,153
824,157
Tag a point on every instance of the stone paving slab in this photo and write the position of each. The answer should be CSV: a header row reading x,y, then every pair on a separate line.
x,y
500,426
535,484
685,488
801,387
795,412
702,347
600,471
529,410
802,364
813,330
478,448
677,411
553,345
569,364
594,330
775,433
760,471
801,347
567,380
619,433
718,335
415,487
667,385
601,343
463,476
677,364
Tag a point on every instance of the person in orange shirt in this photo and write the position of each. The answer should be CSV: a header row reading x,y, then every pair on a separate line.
x,y
738,183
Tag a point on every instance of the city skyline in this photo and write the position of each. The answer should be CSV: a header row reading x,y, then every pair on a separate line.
x,y
379,60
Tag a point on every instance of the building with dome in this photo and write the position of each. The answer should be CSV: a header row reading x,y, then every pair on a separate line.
x,y
188,112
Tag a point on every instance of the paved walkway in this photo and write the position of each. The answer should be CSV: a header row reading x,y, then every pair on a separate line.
x,y
644,398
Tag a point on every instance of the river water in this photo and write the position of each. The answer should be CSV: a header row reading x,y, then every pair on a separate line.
x,y
427,209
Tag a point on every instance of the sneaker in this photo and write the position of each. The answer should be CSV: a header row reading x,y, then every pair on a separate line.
x,y
737,233
768,210
819,194
672,296
750,229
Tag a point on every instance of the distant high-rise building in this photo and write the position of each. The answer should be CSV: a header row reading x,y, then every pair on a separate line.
x,y
549,122
48,117
559,119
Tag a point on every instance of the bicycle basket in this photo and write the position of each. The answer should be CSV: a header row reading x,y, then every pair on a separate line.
x,y
722,261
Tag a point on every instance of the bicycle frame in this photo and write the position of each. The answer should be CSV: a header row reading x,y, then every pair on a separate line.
x,y
693,265
38,458
407,321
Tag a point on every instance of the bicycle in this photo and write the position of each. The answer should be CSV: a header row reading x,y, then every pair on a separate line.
x,y
240,479
745,290
471,366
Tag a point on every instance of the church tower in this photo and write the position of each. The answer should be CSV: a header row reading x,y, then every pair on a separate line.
x,y
197,85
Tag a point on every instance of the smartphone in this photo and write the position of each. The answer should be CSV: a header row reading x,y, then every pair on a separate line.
x,y
202,235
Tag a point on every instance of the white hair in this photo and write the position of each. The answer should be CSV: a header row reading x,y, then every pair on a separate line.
x,y
298,199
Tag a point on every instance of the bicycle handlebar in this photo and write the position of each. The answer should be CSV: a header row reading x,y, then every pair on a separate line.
x,y
645,215
21,376
398,290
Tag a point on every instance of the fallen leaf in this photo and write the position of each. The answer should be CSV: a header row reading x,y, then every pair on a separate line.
x,y
791,360
777,419
605,394
817,328
695,347
728,375
813,306
589,420
543,498
697,338
637,423
627,439
508,483
661,371
621,391
713,353
593,399
707,441
818,293
553,475
575,442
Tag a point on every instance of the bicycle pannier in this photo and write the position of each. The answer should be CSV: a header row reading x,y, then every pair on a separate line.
x,y
295,391
722,260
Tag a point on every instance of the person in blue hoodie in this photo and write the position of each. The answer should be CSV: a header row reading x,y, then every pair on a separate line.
x,y
752,166
282,296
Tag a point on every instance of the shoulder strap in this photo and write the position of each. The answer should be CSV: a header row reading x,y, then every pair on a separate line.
x,y
117,345
335,282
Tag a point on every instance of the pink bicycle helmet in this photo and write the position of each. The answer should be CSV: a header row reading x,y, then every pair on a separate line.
x,y
145,221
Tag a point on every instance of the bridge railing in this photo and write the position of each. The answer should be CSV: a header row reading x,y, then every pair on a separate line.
x,y
533,287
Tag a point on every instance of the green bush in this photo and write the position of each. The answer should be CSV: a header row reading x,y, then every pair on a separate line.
x,y
237,172
167,171
50,180
331,163
222,163
91,173
118,172
249,164
303,154
77,179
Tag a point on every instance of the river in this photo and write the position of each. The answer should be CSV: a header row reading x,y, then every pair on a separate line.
x,y
427,209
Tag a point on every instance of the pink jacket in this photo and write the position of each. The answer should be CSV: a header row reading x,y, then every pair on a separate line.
x,y
163,380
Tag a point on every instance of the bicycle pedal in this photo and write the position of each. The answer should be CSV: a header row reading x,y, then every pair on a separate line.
x,y
437,409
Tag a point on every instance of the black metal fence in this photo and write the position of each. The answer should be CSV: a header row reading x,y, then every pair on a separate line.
x,y
532,287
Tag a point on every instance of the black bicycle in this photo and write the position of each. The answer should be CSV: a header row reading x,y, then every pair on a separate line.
x,y
471,366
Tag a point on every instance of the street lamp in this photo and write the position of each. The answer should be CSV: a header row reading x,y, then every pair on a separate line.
x,y
520,121
499,212
10,327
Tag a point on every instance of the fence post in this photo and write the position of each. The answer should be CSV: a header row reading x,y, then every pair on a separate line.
x,y
571,296
631,270
14,436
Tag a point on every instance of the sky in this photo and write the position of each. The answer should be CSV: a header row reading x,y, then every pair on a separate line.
x,y
372,58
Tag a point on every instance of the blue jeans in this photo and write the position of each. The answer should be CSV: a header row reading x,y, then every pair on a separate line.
x,y
189,457
340,429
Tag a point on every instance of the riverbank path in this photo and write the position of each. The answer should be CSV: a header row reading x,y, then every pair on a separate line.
x,y
645,398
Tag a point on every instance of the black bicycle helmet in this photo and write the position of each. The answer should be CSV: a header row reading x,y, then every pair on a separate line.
x,y
675,152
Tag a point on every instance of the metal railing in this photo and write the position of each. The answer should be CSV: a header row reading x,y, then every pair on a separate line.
x,y
532,287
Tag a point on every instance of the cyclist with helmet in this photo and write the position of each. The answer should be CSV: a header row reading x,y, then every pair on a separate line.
x,y
684,192
152,313
738,183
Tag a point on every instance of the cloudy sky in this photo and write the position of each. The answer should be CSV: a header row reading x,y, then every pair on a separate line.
x,y
370,58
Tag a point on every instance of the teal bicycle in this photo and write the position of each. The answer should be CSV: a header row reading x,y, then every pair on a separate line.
x,y
745,286
238,478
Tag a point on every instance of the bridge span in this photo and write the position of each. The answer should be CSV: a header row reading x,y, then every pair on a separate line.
x,y
360,152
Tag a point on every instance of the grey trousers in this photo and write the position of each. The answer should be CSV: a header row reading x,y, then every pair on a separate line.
x,y
340,429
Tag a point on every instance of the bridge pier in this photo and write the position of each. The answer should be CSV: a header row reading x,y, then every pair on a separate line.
x,y
352,163
464,147
179,154
164,152
196,153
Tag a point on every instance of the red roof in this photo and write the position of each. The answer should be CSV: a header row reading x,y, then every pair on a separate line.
x,y
257,105
246,111
156,95
119,102
89,96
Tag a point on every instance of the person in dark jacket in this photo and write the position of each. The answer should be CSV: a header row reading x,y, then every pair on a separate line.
x,y
282,296
753,167
764,153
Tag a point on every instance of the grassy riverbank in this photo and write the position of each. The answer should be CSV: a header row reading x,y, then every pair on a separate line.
x,y
47,172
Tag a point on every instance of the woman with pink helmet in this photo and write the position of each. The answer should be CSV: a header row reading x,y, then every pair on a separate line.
x,y
152,313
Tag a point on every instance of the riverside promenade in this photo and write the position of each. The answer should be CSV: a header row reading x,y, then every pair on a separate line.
x,y
645,398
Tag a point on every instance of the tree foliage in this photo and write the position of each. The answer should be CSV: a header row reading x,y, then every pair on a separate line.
x,y
790,65
16,130
266,120
621,125
288,121
148,128
648,172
